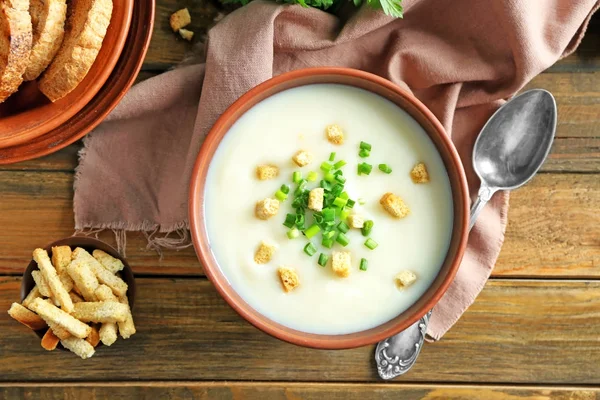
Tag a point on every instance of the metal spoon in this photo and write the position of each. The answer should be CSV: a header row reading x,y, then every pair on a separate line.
x,y
510,149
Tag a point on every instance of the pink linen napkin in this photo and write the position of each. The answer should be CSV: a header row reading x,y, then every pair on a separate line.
x,y
460,58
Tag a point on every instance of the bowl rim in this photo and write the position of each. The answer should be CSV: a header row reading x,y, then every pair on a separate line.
x,y
121,79
87,88
200,237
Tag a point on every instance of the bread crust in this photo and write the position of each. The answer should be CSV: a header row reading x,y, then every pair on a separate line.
x,y
85,29
15,44
48,24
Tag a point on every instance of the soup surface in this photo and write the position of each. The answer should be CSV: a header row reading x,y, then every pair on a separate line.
x,y
271,133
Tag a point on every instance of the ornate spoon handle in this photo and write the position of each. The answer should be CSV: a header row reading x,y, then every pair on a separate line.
x,y
397,354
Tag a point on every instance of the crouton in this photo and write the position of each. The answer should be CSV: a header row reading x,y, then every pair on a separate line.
x,y
266,208
100,311
303,158
405,278
180,19
419,173
41,284
54,315
75,298
187,35
94,337
109,262
264,253
50,340
356,221
289,278
85,280
118,286
26,317
394,205
33,294
264,172
78,346
59,331
57,289
340,263
61,258
335,134
315,199
127,327
108,333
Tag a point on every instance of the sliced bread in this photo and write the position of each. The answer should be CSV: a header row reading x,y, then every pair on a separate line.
x,y
48,20
87,22
15,44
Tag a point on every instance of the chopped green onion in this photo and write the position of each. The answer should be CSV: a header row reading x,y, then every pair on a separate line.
x,y
385,168
344,195
328,214
340,178
290,220
365,146
323,258
339,202
312,230
370,243
280,195
342,239
300,221
312,176
329,177
325,166
364,264
325,185
338,172
344,214
318,217
350,203
298,202
328,235
300,191
293,233
339,164
328,243
310,249
296,176
337,190
363,153
364,168
332,156
367,226
362,201
343,227
285,189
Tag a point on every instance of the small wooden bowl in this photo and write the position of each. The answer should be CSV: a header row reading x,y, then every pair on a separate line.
x,y
28,114
403,100
89,244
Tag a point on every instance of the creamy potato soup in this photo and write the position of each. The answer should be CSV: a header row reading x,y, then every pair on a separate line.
x,y
357,251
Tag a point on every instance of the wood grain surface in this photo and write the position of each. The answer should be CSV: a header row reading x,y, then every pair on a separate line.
x,y
533,333
292,391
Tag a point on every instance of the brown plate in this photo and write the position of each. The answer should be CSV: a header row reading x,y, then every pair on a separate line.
x,y
120,80
403,100
89,244
28,114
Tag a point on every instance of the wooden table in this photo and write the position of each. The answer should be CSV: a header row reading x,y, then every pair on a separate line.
x,y
534,332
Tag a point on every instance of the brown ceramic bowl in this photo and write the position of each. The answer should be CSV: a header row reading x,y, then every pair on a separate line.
x,y
405,101
28,114
95,110
89,244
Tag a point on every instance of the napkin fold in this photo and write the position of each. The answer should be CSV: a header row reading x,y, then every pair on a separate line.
x,y
461,58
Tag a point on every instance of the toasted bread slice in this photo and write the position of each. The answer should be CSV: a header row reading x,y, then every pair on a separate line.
x,y
15,44
48,22
87,22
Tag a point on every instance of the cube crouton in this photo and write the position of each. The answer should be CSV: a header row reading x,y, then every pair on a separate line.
x,y
180,19
356,221
266,208
394,205
289,278
264,172
335,134
340,263
315,199
419,173
405,278
264,253
61,258
302,158
187,35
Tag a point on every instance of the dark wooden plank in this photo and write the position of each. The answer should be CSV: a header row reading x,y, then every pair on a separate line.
x,y
516,332
291,391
